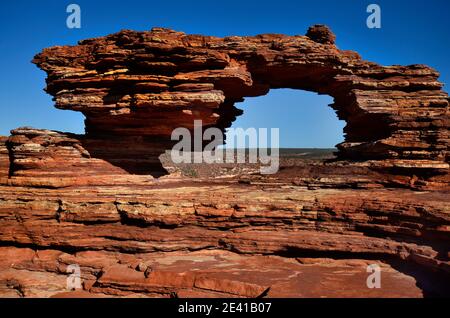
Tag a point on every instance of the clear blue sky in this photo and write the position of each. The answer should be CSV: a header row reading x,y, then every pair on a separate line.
x,y
412,32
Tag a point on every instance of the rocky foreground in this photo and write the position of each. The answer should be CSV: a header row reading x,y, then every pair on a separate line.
x,y
139,227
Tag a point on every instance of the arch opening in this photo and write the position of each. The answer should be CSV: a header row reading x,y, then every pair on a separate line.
x,y
305,119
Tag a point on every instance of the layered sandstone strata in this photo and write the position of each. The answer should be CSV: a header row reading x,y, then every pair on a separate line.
x,y
146,84
309,230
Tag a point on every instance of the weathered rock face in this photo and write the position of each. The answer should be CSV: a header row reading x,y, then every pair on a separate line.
x,y
148,83
308,231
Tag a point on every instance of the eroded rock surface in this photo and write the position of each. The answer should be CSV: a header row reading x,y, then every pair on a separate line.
x,y
146,84
308,231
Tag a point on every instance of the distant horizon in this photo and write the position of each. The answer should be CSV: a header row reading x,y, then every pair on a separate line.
x,y
269,149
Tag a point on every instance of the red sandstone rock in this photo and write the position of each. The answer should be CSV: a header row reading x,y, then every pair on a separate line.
x,y
308,231
321,34
148,83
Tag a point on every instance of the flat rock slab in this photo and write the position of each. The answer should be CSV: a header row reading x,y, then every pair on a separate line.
x,y
209,273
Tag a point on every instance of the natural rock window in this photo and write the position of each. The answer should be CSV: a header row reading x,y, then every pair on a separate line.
x,y
139,86
304,118
310,230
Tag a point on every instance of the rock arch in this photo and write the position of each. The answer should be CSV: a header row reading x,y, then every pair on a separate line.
x,y
87,199
142,85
